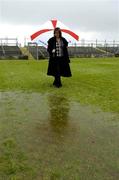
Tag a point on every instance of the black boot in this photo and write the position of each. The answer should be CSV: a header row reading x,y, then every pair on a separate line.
x,y
57,82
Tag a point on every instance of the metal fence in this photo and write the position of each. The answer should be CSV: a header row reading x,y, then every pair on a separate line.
x,y
82,42
9,42
96,43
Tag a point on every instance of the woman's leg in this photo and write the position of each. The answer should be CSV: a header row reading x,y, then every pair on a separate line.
x,y
57,81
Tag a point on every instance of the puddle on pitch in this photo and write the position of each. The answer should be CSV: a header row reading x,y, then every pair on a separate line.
x,y
53,130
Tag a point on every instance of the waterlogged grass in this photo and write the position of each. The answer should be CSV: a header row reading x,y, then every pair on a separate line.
x,y
50,137
94,81
13,162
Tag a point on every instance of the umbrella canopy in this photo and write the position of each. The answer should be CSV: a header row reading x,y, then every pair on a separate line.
x,y
46,31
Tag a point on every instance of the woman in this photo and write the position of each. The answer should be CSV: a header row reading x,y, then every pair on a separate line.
x,y
59,59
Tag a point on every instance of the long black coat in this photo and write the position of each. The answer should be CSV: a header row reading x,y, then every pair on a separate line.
x,y
58,66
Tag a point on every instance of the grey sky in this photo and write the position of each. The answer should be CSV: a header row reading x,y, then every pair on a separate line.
x,y
101,16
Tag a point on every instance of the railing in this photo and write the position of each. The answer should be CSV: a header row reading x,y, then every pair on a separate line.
x,y
95,43
82,42
9,42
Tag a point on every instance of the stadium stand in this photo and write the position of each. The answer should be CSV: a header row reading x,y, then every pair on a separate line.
x,y
86,52
10,49
38,52
110,49
117,52
11,52
1,51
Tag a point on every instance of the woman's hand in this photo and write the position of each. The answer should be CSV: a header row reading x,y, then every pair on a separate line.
x,y
53,51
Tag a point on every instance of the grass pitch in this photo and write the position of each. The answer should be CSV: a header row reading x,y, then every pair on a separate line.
x,y
67,133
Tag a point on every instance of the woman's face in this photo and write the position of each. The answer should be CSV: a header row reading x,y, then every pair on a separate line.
x,y
57,34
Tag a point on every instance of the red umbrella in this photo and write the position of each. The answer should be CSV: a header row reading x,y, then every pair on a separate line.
x,y
48,27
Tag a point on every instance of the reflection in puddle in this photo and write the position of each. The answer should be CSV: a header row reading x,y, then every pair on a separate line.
x,y
59,113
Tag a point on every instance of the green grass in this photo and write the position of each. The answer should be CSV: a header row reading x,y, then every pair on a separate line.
x,y
94,81
71,133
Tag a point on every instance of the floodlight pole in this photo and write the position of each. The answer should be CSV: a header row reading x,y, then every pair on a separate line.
x,y
37,51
